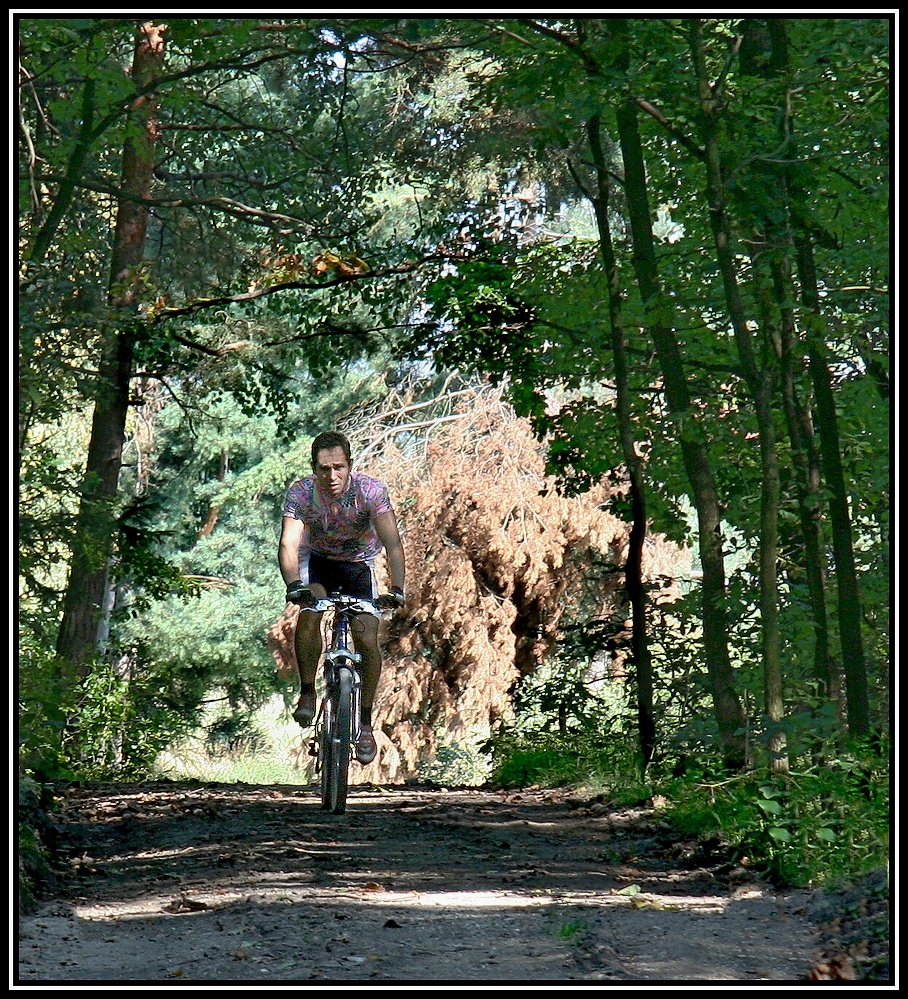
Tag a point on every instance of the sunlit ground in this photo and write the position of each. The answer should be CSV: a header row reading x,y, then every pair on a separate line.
x,y
291,889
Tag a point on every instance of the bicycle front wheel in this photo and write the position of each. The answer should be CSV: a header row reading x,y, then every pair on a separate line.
x,y
337,744
324,750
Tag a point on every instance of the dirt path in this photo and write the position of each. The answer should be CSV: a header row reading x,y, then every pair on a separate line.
x,y
174,883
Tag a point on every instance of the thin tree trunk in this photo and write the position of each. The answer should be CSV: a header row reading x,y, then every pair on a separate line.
x,y
760,380
770,496
808,481
857,693
214,512
694,449
69,184
633,566
83,607
849,602
764,52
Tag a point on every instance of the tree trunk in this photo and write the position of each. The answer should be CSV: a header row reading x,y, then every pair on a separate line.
x,y
633,566
770,496
694,449
808,481
764,52
214,512
760,380
93,545
849,603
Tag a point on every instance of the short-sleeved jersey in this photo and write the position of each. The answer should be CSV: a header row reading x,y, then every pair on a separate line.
x,y
339,528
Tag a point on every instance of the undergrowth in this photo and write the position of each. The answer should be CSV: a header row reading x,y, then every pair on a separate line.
x,y
820,824
817,825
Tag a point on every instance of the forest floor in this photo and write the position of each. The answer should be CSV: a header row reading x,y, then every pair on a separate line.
x,y
177,884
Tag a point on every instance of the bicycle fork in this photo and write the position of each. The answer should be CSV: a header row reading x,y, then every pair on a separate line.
x,y
335,660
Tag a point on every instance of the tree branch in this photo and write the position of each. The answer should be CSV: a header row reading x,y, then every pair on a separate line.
x,y
321,285
675,133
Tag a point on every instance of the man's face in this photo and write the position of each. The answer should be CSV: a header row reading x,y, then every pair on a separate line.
x,y
332,470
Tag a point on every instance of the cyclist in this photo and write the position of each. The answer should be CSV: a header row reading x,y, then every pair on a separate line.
x,y
335,523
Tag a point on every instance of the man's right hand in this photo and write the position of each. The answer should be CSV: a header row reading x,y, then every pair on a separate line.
x,y
299,593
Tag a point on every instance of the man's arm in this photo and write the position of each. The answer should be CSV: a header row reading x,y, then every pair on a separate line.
x,y
389,535
288,556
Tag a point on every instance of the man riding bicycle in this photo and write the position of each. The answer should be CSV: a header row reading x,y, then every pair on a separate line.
x,y
334,525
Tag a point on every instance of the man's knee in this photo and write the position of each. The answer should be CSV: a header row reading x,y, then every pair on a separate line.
x,y
308,626
365,631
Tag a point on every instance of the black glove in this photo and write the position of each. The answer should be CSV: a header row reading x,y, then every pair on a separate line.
x,y
393,599
299,593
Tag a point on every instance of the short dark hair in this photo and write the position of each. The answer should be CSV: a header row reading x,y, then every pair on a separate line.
x,y
327,441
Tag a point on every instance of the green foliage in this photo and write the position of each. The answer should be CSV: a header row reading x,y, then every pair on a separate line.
x,y
45,700
572,929
34,841
110,720
125,715
560,695
820,825
253,746
552,761
813,826
456,766
470,153
565,733
823,822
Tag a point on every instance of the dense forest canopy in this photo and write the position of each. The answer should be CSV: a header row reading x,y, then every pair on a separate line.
x,y
605,300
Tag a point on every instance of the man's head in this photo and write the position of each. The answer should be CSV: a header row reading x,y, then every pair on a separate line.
x,y
331,461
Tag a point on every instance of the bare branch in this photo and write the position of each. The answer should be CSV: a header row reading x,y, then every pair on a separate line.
x,y
675,132
318,285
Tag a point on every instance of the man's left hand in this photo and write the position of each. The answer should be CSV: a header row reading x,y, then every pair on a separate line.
x,y
393,599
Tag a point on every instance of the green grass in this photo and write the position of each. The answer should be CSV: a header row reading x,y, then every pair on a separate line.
x,y
275,753
572,929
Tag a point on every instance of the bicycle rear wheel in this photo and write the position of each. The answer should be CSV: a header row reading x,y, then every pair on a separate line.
x,y
338,734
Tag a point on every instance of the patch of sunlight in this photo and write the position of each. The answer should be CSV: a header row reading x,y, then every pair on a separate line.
x,y
481,899
292,890
279,753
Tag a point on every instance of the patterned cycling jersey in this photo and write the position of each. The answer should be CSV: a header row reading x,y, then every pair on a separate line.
x,y
341,528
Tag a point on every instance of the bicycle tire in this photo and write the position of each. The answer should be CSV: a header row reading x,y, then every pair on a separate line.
x,y
341,736
324,751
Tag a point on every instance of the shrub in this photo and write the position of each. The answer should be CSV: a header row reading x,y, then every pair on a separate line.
x,y
812,826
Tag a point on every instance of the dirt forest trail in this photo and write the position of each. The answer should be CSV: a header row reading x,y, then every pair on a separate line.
x,y
177,885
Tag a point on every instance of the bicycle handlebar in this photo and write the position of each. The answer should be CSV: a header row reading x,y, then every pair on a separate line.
x,y
340,601
355,605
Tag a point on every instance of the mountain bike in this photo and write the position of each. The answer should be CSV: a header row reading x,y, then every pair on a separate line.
x,y
337,727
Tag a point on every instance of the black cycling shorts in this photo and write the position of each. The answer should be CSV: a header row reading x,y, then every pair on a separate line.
x,y
353,579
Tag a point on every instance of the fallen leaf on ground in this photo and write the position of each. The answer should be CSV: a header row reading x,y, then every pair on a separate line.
x,y
185,904
835,969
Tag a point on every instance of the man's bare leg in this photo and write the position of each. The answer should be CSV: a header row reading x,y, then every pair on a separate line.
x,y
309,648
365,638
